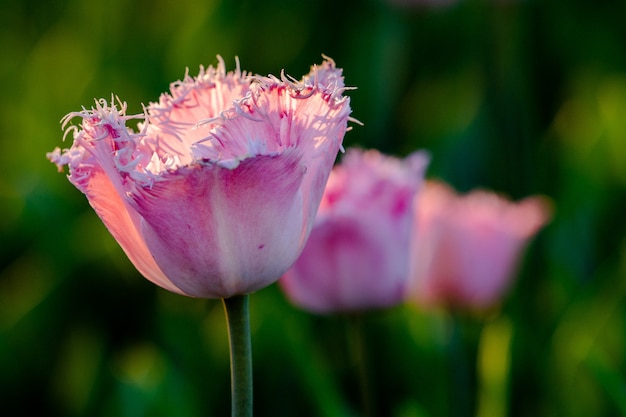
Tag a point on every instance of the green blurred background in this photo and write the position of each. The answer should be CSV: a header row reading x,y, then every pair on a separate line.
x,y
521,97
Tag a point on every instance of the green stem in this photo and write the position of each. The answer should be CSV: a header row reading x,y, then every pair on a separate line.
x,y
461,380
238,319
359,355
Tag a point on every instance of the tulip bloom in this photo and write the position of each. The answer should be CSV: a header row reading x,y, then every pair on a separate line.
x,y
466,248
216,191
357,256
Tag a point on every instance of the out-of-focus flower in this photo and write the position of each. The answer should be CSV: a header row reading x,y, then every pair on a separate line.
x,y
357,256
216,192
466,248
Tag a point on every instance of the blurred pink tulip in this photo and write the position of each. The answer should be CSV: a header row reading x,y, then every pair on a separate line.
x,y
357,256
216,192
467,248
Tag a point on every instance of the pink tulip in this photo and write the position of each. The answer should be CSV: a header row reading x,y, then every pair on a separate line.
x,y
216,192
357,256
466,248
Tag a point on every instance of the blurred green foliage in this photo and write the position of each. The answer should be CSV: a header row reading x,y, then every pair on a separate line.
x,y
522,97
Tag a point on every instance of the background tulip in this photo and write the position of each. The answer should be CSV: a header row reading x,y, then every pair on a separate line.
x,y
466,248
217,191
357,256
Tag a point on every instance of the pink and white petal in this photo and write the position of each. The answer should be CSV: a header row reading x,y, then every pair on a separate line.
x,y
123,223
237,139
272,120
173,119
327,76
318,130
312,115
212,229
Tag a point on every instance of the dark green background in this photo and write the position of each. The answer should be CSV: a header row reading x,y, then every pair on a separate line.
x,y
521,97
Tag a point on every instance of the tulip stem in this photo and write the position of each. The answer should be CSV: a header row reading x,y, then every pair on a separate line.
x,y
359,355
461,379
238,320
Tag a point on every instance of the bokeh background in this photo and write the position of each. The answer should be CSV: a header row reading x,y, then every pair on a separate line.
x,y
520,97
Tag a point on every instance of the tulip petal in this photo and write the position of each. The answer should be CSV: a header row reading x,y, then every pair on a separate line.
x,y
212,229
311,115
123,223
171,121
344,267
